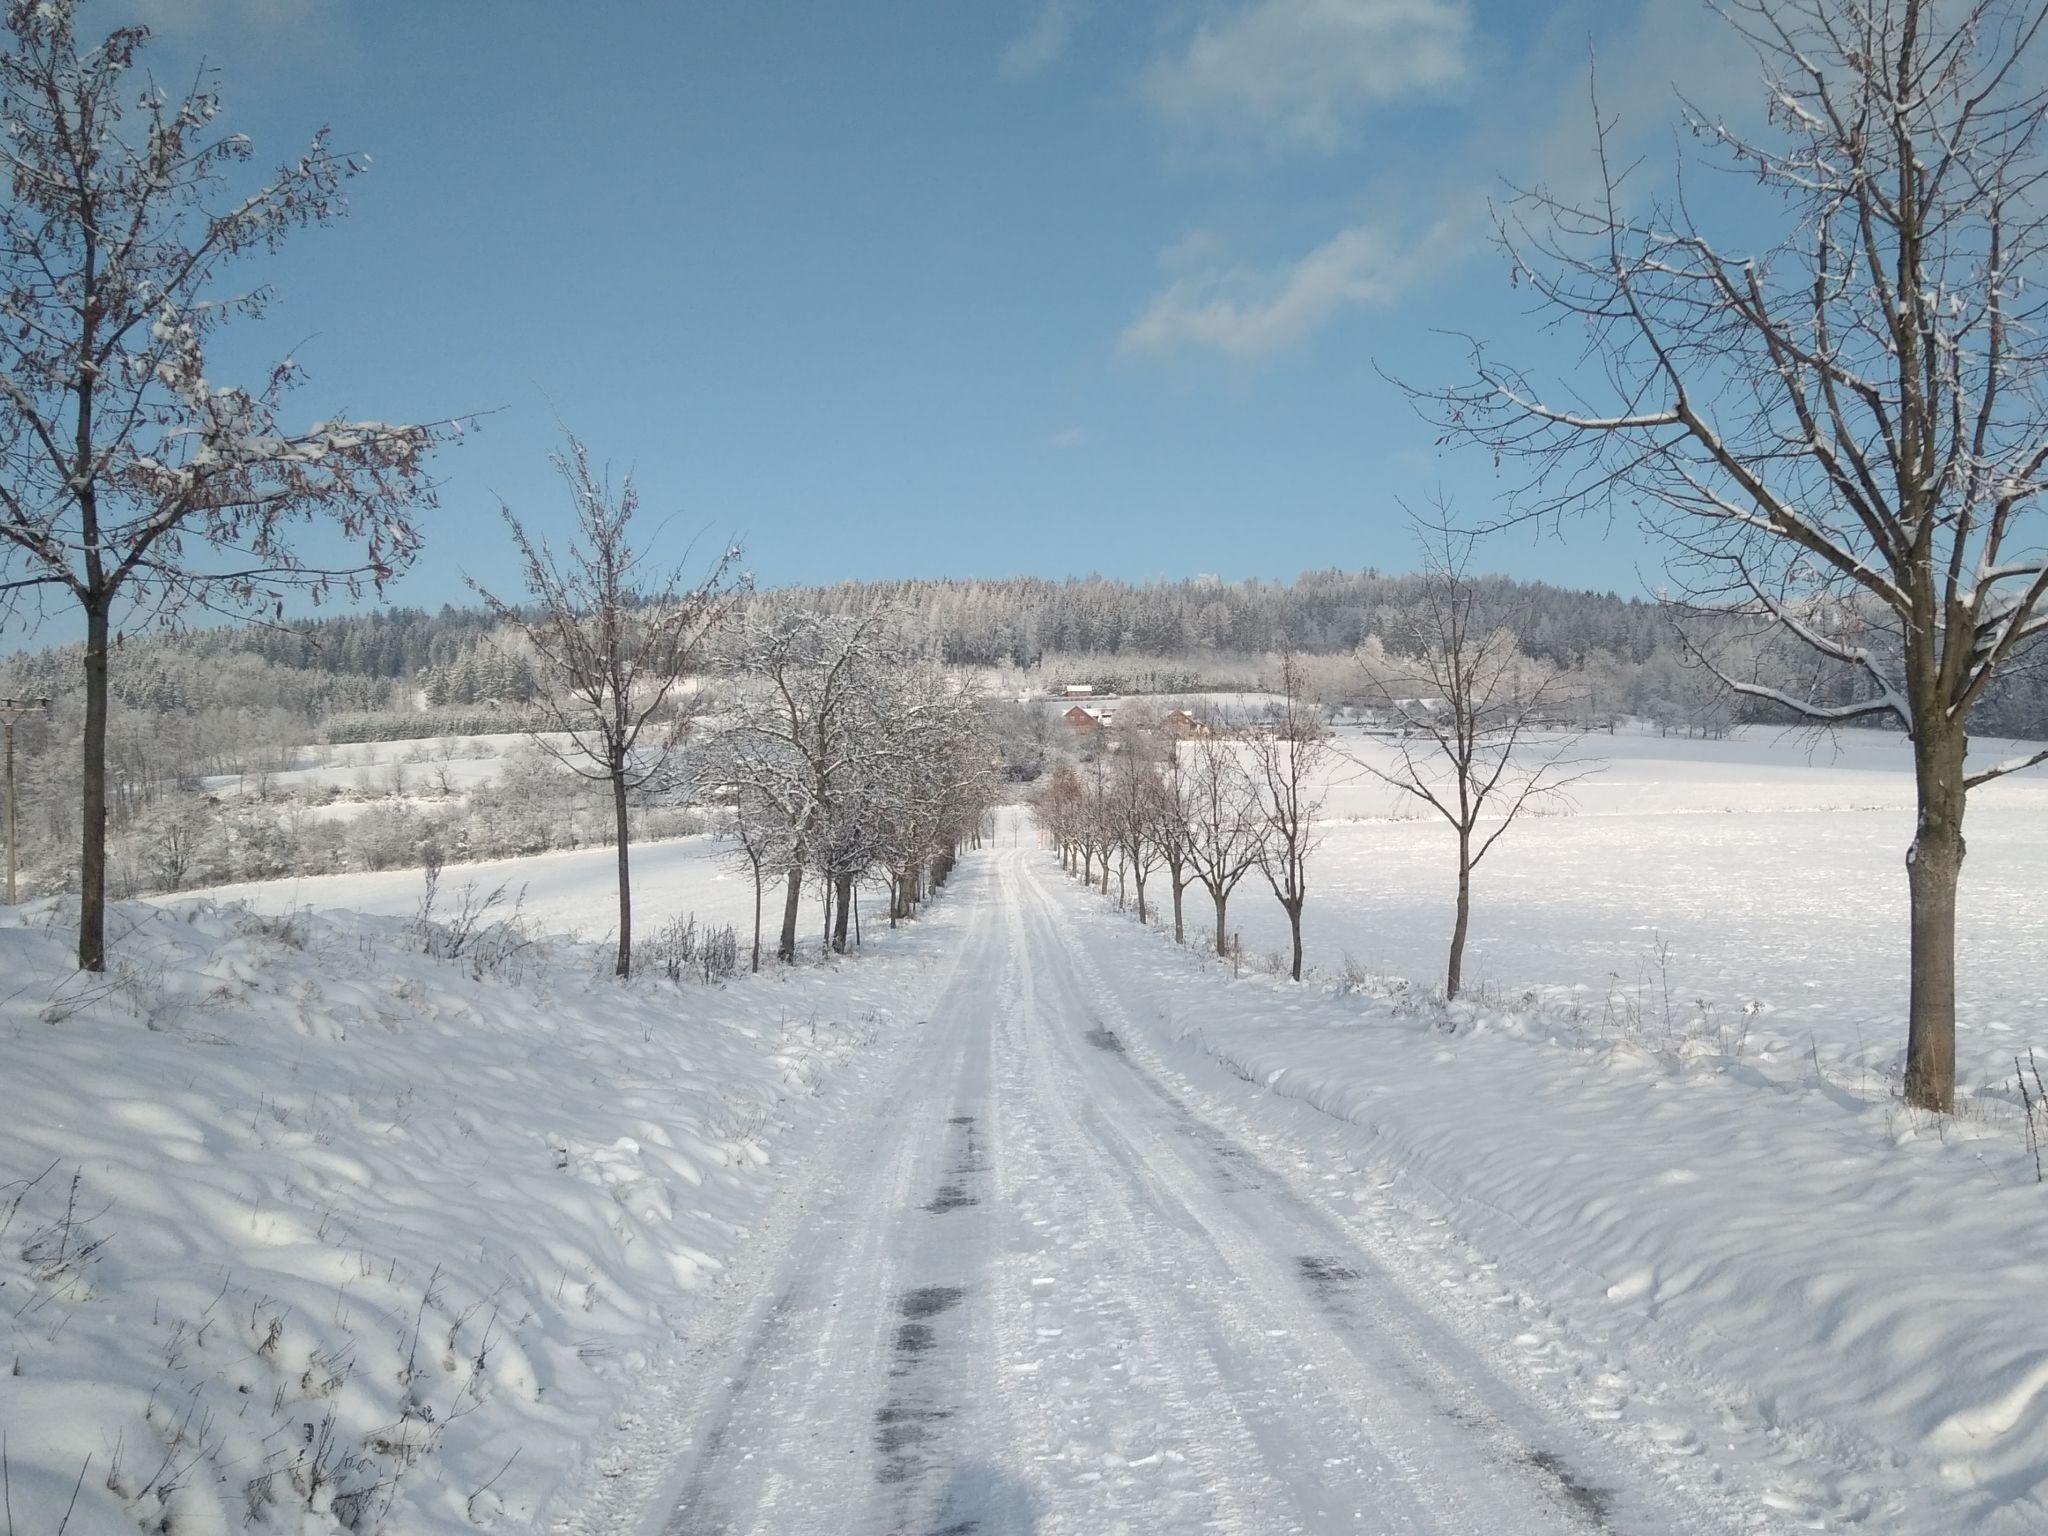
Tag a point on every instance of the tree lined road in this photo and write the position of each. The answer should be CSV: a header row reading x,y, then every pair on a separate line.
x,y
1041,1293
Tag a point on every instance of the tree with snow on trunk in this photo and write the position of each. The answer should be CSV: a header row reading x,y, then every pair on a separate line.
x,y
133,486
1841,430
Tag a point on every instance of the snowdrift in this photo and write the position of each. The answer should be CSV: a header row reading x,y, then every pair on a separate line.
x,y
302,1229
1718,1246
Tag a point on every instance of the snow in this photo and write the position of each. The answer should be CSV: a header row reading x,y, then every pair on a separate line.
x,y
469,761
1760,882
1664,1142
1031,1291
351,1226
1029,1220
574,891
1787,1272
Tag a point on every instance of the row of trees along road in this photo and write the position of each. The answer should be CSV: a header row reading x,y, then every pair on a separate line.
x,y
843,759
1468,725
135,489
837,756
1832,410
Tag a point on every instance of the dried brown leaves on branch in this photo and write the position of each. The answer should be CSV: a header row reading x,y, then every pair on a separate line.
x,y
133,484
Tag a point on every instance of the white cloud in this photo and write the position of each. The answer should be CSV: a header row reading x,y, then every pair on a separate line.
x,y
1530,125
1250,315
1300,73
1045,42
1067,438
252,39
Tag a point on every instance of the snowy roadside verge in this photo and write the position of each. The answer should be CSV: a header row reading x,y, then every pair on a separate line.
x,y
301,1229
1712,1255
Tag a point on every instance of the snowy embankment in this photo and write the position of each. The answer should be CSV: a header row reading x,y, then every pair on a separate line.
x,y
302,1229
1718,1249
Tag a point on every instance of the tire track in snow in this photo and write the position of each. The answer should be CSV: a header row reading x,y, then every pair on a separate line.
x,y
853,1406
1594,1479
1585,1478
1050,1296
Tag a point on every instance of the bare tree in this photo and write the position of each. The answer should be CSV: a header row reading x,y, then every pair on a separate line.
x,y
1224,834
794,736
1842,432
760,839
132,484
1287,763
1132,807
1480,727
1173,832
922,779
617,644
1058,808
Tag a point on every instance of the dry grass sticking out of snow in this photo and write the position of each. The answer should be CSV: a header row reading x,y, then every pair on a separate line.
x,y
302,1229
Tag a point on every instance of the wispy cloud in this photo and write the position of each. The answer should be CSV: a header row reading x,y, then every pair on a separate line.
x,y
1530,124
1248,314
272,30
1044,43
1067,439
1301,73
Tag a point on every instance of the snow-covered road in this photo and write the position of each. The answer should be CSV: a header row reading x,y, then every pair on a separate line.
x,y
1034,1288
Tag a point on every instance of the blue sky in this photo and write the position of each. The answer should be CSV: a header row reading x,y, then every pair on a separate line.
x,y
933,287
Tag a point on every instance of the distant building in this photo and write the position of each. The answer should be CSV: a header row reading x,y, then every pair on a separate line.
x,y
1078,691
1182,724
1081,719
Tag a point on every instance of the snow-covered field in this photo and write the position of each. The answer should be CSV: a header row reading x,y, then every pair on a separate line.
x,y
1028,1221
303,1230
573,892
1781,1275
1752,888
369,766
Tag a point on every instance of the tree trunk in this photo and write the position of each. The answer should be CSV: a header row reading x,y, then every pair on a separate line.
x,y
625,962
1179,934
1087,866
1934,866
785,948
757,917
1294,930
1456,975
839,917
1222,900
92,855
1138,880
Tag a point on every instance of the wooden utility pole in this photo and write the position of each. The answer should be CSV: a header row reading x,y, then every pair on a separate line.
x,y
12,710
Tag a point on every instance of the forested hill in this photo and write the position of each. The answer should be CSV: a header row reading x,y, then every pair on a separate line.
x,y
1019,621
1023,620
387,671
